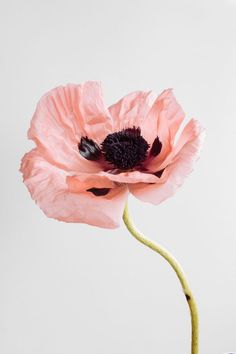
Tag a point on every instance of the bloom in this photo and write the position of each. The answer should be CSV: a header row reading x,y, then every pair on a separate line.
x,y
88,157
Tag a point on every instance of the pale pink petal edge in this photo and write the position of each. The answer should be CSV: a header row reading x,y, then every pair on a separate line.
x,y
174,174
48,187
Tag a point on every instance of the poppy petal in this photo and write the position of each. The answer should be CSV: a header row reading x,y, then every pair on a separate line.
x,y
48,186
130,177
191,130
163,121
174,174
131,110
84,181
63,116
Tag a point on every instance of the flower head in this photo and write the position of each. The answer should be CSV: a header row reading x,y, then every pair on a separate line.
x,y
88,158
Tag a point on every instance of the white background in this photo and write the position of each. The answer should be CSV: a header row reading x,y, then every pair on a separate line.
x,y
74,288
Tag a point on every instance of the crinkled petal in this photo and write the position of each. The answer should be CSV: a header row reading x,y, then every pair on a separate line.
x,y
190,131
85,181
63,116
131,110
163,121
130,177
48,186
174,174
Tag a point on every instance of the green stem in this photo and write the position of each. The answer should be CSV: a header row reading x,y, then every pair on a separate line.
x,y
178,270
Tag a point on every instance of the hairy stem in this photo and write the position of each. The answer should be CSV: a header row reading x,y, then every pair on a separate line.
x,y
178,270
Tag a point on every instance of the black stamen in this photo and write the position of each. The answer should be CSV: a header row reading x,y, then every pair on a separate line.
x,y
156,147
125,149
89,149
99,191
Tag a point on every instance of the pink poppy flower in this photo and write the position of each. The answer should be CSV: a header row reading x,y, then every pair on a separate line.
x,y
88,158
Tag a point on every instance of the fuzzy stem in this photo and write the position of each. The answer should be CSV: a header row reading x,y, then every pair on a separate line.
x,y
178,270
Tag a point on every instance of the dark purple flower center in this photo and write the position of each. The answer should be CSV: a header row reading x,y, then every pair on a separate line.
x,y
125,149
